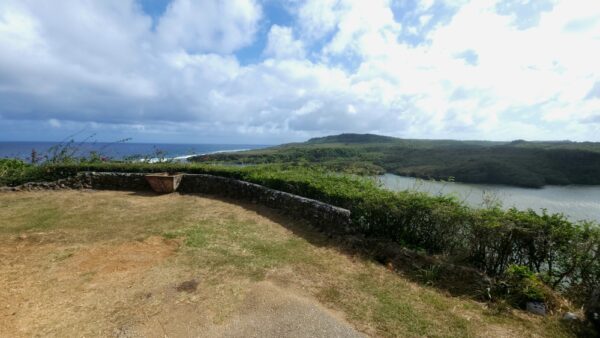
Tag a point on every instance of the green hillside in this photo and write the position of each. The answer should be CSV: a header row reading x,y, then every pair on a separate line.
x,y
520,163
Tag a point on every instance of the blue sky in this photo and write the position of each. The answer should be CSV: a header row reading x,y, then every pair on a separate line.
x,y
267,71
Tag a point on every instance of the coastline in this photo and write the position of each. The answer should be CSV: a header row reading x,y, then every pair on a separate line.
x,y
184,158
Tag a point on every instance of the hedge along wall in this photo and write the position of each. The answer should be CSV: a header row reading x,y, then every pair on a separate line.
x,y
325,216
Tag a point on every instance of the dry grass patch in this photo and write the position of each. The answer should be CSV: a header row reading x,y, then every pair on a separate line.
x,y
102,263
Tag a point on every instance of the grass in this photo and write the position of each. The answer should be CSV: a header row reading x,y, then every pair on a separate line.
x,y
238,245
230,248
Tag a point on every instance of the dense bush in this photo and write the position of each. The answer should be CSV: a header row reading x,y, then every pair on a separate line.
x,y
563,254
520,285
13,171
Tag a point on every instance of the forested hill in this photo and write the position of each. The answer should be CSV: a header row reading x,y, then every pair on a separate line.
x,y
353,138
521,163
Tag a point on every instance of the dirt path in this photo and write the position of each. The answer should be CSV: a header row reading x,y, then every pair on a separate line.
x,y
270,311
127,290
266,311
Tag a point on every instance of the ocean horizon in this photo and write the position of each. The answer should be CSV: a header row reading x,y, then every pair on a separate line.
x,y
118,150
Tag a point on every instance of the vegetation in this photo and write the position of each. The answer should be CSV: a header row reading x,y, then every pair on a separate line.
x,y
14,171
520,285
520,163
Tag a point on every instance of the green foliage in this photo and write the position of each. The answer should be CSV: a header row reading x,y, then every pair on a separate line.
x,y
10,167
520,285
430,275
520,163
353,138
13,171
565,254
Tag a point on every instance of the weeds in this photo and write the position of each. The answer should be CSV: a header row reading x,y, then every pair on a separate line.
x,y
430,275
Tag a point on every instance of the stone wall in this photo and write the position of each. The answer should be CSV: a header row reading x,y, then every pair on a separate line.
x,y
325,216
90,180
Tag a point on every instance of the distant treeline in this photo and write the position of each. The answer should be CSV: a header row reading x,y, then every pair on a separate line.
x,y
519,163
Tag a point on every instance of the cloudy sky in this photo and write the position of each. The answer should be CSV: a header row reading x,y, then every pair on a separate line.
x,y
267,71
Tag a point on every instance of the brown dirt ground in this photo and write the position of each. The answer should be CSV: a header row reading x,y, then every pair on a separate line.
x,y
136,288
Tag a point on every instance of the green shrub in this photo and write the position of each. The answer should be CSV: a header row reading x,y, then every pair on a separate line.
x,y
520,285
13,171
9,166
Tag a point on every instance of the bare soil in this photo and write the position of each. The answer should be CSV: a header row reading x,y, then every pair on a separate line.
x,y
138,288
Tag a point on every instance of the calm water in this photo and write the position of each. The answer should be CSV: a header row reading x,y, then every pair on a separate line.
x,y
576,202
122,150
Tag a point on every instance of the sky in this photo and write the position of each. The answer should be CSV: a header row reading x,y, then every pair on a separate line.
x,y
267,72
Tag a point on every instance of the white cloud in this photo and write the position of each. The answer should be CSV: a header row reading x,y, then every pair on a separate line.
x,y
85,59
209,25
545,69
523,68
318,18
281,44
364,27
341,66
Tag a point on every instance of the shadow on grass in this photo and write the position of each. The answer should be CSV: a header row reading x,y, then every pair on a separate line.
x,y
435,272
427,270
144,193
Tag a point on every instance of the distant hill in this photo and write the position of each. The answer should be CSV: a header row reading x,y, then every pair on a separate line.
x,y
353,138
520,163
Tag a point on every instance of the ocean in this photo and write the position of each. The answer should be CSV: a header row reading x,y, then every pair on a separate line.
x,y
119,150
